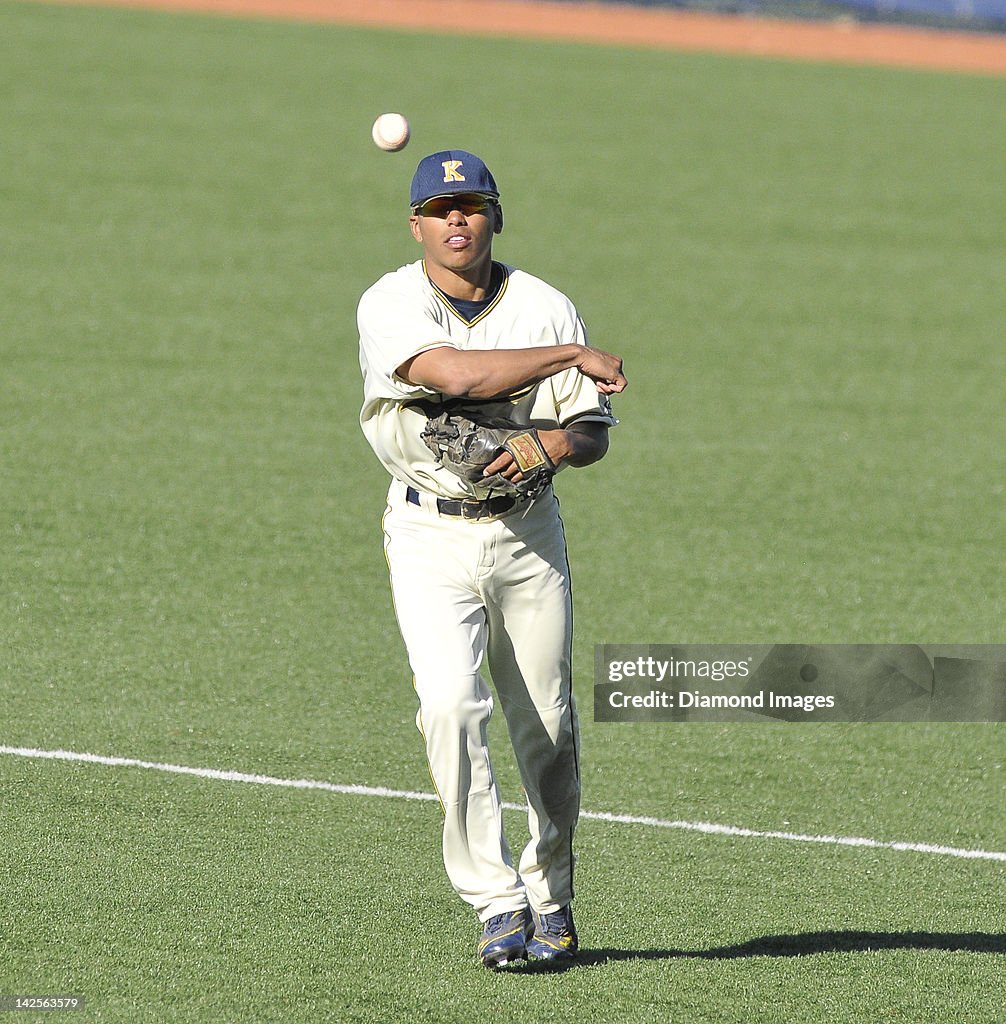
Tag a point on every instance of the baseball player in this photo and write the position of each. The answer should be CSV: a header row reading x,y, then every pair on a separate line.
x,y
479,386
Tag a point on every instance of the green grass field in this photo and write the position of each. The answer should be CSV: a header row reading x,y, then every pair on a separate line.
x,y
803,268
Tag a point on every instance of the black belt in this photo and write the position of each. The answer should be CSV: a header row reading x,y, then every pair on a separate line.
x,y
467,509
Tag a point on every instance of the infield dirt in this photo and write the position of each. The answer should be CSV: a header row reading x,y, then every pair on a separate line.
x,y
844,42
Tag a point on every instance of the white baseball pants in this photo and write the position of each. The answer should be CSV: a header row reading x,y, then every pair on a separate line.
x,y
496,594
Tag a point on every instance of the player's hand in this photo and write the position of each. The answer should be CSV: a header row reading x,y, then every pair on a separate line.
x,y
557,447
604,369
505,466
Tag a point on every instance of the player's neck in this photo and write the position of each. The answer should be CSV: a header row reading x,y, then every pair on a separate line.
x,y
470,285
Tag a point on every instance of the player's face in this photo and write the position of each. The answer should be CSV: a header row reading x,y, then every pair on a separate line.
x,y
456,234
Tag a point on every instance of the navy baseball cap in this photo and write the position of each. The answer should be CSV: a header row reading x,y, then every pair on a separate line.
x,y
449,172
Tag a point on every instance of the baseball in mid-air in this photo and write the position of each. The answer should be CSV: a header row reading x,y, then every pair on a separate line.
x,y
391,132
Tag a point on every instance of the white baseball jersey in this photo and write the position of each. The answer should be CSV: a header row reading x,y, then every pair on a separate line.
x,y
404,314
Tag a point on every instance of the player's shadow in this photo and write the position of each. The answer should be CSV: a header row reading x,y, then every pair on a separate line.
x,y
799,944
811,944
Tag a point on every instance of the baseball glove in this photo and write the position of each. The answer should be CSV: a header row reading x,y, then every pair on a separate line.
x,y
466,448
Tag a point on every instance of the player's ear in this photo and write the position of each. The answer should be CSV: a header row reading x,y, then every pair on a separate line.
x,y
417,233
498,221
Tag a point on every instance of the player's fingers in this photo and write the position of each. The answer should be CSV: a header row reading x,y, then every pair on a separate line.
x,y
500,465
600,365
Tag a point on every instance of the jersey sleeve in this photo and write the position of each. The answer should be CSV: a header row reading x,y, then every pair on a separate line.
x,y
576,396
395,324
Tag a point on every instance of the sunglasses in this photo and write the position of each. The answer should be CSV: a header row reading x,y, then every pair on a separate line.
x,y
467,203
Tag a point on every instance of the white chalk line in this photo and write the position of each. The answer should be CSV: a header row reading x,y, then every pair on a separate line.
x,y
709,828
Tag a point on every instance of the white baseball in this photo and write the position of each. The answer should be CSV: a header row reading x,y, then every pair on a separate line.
x,y
391,132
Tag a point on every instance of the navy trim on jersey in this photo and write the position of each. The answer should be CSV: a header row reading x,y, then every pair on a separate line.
x,y
470,312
